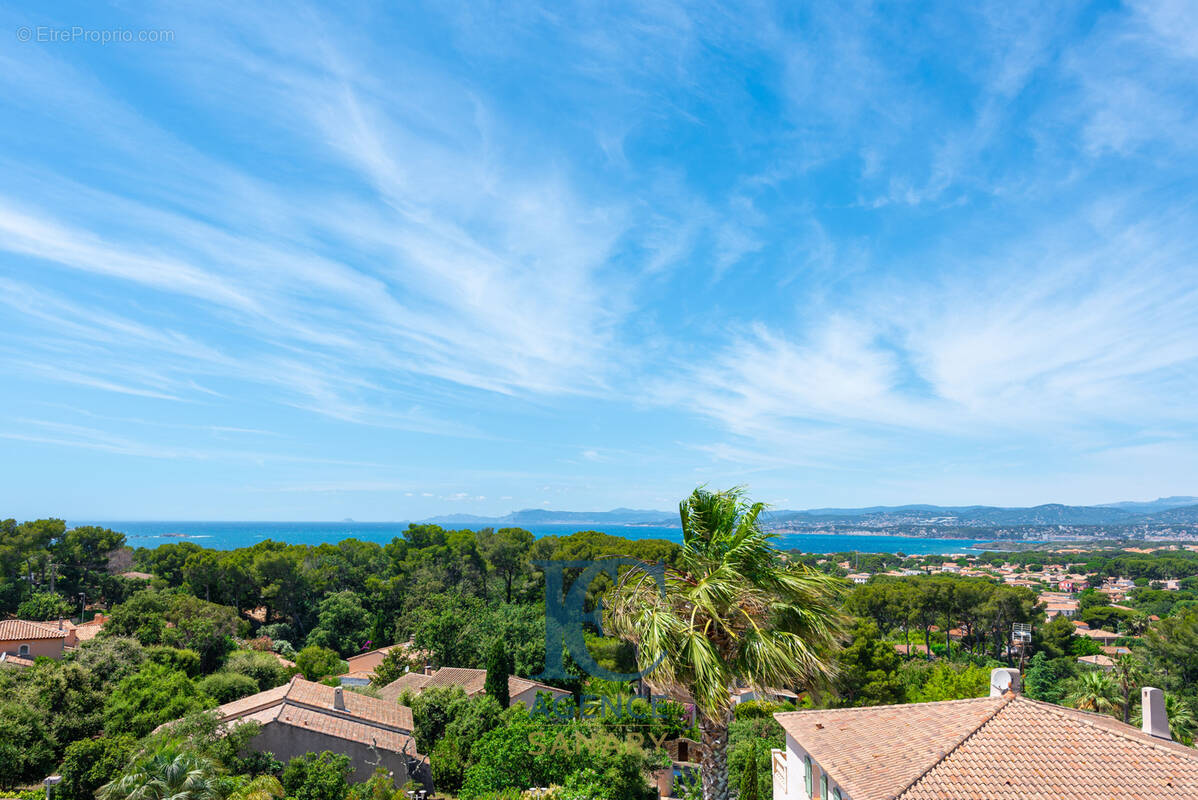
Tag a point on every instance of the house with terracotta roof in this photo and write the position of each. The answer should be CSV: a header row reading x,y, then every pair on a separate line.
x,y
472,682
1098,635
1099,661
15,661
1001,747
27,639
306,717
363,665
86,631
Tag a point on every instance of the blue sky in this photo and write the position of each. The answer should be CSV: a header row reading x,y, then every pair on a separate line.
x,y
304,262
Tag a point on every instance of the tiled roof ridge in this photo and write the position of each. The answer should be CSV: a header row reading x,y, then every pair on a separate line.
x,y
370,720
532,682
46,627
1006,701
1091,720
811,712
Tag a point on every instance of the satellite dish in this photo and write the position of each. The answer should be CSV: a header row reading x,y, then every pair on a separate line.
x,y
1003,680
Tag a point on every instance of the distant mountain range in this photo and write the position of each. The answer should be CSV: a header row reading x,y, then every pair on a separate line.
x,y
540,516
1166,510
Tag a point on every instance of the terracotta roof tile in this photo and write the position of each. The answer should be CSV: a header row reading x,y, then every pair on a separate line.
x,y
15,661
877,751
379,712
516,685
410,681
1005,748
19,629
471,680
318,697
344,728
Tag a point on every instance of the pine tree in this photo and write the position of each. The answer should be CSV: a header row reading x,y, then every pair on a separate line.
x,y
499,667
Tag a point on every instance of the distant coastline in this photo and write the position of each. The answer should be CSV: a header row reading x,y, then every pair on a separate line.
x,y
232,535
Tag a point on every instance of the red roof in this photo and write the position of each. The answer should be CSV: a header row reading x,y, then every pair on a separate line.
x,y
13,630
320,698
991,748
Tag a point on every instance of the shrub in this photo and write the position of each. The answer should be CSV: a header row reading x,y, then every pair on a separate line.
x,y
321,776
225,687
263,668
186,661
88,764
317,662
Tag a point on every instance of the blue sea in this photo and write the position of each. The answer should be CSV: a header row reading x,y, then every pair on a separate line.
x,y
230,535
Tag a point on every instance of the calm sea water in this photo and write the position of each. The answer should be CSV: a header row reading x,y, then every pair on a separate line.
x,y
230,535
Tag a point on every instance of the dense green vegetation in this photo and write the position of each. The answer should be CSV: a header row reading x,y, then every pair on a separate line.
x,y
209,627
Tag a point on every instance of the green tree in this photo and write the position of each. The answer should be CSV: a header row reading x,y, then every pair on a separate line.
x,y
88,764
499,667
318,776
207,628
506,550
378,786
344,625
149,697
26,749
168,774
868,670
952,682
432,711
521,752
142,617
393,666
44,606
734,612
1128,672
317,662
263,787
1047,678
753,737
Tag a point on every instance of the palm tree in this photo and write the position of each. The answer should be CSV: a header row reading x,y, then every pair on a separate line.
x,y
734,612
168,774
263,787
1129,670
1093,690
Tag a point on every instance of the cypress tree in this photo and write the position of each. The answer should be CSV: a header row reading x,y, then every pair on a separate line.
x,y
748,778
499,667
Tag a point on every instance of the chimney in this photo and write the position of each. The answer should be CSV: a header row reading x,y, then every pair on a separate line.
x,y
1156,721
1004,680
338,698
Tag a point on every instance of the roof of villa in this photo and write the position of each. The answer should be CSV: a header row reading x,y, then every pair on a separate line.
x,y
990,748
15,661
472,682
17,629
299,694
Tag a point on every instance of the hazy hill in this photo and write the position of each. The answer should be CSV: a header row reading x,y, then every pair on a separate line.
x,y
1164,510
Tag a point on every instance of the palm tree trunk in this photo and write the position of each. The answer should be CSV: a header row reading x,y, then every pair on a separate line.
x,y
713,764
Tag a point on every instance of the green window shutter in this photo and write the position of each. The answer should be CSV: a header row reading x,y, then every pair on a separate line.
x,y
807,770
823,786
